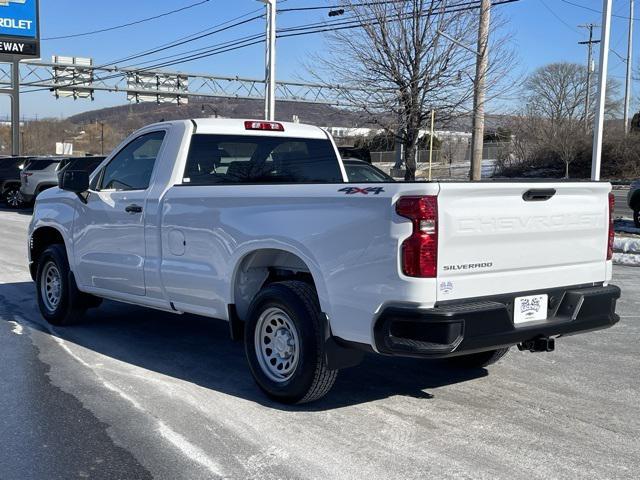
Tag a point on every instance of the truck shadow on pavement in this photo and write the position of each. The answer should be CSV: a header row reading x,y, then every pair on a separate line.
x,y
198,350
20,211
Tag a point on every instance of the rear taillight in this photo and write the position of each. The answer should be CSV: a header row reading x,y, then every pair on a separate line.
x,y
612,233
419,252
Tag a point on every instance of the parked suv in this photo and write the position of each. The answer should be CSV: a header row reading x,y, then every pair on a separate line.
x,y
10,168
634,201
38,174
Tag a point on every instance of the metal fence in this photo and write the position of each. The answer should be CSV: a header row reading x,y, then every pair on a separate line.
x,y
450,153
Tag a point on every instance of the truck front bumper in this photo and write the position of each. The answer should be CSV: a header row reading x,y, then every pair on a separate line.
x,y
459,328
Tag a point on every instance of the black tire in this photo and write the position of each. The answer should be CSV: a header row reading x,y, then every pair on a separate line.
x,y
636,217
71,304
478,360
310,380
13,197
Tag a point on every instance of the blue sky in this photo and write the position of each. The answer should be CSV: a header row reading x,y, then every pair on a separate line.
x,y
543,31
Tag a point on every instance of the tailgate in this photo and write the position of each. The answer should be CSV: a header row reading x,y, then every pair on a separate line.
x,y
492,240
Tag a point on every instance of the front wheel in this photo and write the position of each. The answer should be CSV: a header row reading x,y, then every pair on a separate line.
x,y
636,217
59,300
284,343
478,360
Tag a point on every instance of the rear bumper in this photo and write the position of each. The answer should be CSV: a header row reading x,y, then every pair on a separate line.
x,y
452,329
27,194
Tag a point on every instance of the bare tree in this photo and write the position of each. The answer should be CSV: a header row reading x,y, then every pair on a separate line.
x,y
397,66
554,112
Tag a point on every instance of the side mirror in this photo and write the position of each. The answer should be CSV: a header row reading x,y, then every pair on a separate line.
x,y
75,181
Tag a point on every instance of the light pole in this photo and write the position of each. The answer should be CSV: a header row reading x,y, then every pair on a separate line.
x,y
627,89
270,62
598,124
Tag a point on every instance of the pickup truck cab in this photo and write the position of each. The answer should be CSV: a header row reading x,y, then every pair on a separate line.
x,y
256,223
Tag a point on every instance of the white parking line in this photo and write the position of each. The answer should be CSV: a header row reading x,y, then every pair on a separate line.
x,y
188,449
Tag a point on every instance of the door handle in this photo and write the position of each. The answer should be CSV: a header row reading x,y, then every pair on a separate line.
x,y
538,194
133,209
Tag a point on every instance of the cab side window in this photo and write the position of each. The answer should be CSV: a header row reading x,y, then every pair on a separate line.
x,y
132,167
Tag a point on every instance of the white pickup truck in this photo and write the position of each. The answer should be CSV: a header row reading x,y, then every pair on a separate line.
x,y
255,223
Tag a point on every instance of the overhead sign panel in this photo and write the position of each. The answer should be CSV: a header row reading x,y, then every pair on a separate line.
x,y
19,28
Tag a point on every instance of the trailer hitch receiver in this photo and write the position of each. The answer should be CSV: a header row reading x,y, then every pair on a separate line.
x,y
540,344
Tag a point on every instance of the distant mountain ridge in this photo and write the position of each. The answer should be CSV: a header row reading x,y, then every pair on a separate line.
x,y
138,115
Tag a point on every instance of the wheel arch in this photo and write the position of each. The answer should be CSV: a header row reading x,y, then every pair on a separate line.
x,y
261,266
41,238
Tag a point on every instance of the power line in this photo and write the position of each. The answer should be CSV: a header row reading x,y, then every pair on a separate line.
x,y
187,37
305,28
199,35
331,7
308,29
595,10
558,17
137,22
183,42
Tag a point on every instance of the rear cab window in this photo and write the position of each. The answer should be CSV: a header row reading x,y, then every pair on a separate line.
x,y
236,159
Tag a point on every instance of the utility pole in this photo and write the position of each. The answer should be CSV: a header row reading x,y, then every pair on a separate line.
x,y
598,124
589,43
627,89
270,70
477,141
15,107
101,138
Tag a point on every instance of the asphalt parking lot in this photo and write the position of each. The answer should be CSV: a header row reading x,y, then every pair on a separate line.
x,y
137,394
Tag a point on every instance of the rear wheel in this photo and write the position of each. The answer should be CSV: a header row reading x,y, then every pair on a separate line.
x,y
59,300
13,197
636,217
478,360
284,343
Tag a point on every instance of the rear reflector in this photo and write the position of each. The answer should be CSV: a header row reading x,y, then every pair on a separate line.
x,y
612,233
269,126
419,253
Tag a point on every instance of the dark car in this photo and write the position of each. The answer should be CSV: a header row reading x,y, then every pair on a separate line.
x,y
10,168
359,171
85,164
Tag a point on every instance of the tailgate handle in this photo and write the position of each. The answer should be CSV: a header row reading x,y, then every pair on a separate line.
x,y
538,194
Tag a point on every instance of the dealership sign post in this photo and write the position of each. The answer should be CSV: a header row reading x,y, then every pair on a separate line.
x,y
19,39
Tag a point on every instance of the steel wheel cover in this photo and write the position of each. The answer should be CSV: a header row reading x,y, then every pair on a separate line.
x,y
51,286
277,344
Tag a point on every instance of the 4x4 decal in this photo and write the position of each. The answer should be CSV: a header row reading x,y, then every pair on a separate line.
x,y
363,191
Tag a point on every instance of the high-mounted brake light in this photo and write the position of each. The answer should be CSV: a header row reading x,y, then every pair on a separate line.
x,y
612,233
269,126
419,253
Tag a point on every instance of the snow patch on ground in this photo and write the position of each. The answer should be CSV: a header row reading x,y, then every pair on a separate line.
x,y
626,245
17,328
626,249
628,259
